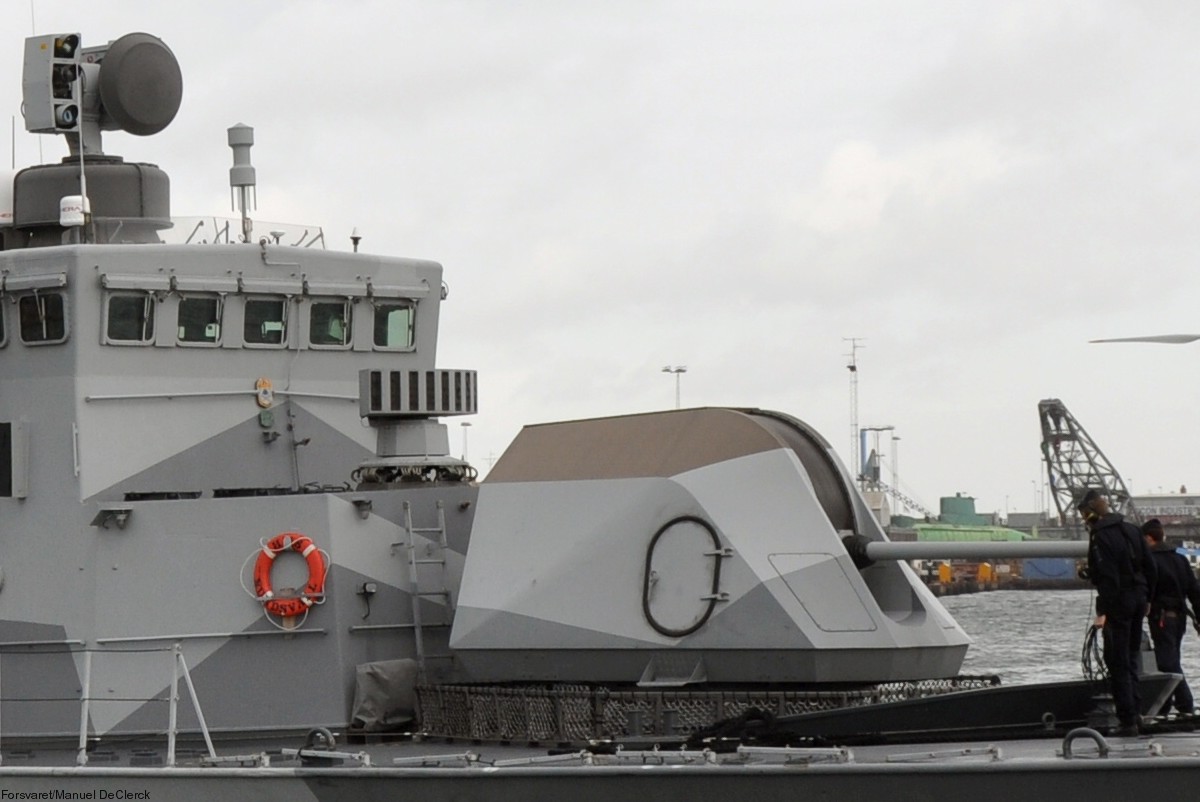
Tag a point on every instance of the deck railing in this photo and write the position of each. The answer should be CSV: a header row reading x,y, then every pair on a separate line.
x,y
179,670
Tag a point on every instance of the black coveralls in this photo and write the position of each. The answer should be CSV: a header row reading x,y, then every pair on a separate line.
x,y
1176,586
1124,573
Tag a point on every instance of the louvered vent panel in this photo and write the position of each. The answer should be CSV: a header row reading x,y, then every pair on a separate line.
x,y
417,393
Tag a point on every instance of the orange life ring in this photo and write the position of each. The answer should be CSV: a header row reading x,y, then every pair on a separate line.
x,y
314,588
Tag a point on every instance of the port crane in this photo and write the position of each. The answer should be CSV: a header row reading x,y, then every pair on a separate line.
x,y
1075,464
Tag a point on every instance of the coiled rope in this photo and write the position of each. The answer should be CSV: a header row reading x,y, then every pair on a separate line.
x,y
1092,658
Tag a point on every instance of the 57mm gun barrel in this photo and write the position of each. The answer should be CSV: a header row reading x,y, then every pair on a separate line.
x,y
865,552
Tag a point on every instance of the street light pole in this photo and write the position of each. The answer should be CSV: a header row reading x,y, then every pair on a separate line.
x,y
677,369
896,462
852,366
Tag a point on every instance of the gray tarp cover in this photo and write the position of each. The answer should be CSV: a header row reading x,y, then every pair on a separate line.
x,y
385,695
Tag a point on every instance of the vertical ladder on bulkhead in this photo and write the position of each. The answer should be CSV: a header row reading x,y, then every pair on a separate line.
x,y
427,575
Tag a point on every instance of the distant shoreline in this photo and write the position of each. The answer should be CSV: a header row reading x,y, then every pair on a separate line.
x,y
961,586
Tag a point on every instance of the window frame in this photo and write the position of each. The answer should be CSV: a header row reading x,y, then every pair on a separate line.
x,y
286,302
347,304
150,301
221,299
411,305
38,297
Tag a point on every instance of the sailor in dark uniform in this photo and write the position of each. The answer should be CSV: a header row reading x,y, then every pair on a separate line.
x,y
1176,586
1124,573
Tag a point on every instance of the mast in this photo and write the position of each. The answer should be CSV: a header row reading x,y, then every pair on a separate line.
x,y
852,366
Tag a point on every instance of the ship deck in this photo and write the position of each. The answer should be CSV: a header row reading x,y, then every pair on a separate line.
x,y
1083,767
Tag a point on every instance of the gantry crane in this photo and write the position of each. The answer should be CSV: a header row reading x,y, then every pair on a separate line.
x,y
1075,464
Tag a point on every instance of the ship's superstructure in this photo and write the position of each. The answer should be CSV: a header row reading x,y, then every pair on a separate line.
x,y
180,405
165,408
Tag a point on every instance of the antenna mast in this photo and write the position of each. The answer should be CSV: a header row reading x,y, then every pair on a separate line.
x,y
852,366
242,181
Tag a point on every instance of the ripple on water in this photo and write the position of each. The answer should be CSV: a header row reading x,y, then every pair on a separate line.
x,y
1035,635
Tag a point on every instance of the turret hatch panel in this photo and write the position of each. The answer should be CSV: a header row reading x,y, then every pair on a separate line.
x,y
819,582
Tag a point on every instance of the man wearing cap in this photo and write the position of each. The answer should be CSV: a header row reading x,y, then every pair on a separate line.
x,y
1176,586
1122,569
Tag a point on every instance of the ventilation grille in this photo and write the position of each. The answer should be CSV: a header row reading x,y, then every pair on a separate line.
x,y
417,393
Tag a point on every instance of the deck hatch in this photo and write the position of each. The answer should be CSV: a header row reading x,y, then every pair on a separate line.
x,y
681,582
820,583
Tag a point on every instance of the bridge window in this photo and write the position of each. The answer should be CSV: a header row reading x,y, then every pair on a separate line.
x,y
329,323
130,318
394,324
14,460
200,319
43,318
6,460
265,321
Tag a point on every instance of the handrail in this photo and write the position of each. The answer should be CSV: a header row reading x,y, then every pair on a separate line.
x,y
202,635
178,668
12,644
386,627
212,394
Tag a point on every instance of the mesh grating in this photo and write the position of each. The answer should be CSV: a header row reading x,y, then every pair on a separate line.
x,y
575,713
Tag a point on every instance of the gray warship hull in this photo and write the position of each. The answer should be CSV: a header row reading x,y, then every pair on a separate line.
x,y
1014,770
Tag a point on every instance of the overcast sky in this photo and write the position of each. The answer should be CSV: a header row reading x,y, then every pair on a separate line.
x,y
973,189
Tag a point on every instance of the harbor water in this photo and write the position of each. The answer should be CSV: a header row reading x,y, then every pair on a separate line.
x,y
1037,635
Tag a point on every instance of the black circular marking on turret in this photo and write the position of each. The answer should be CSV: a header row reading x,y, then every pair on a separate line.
x,y
141,85
716,579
